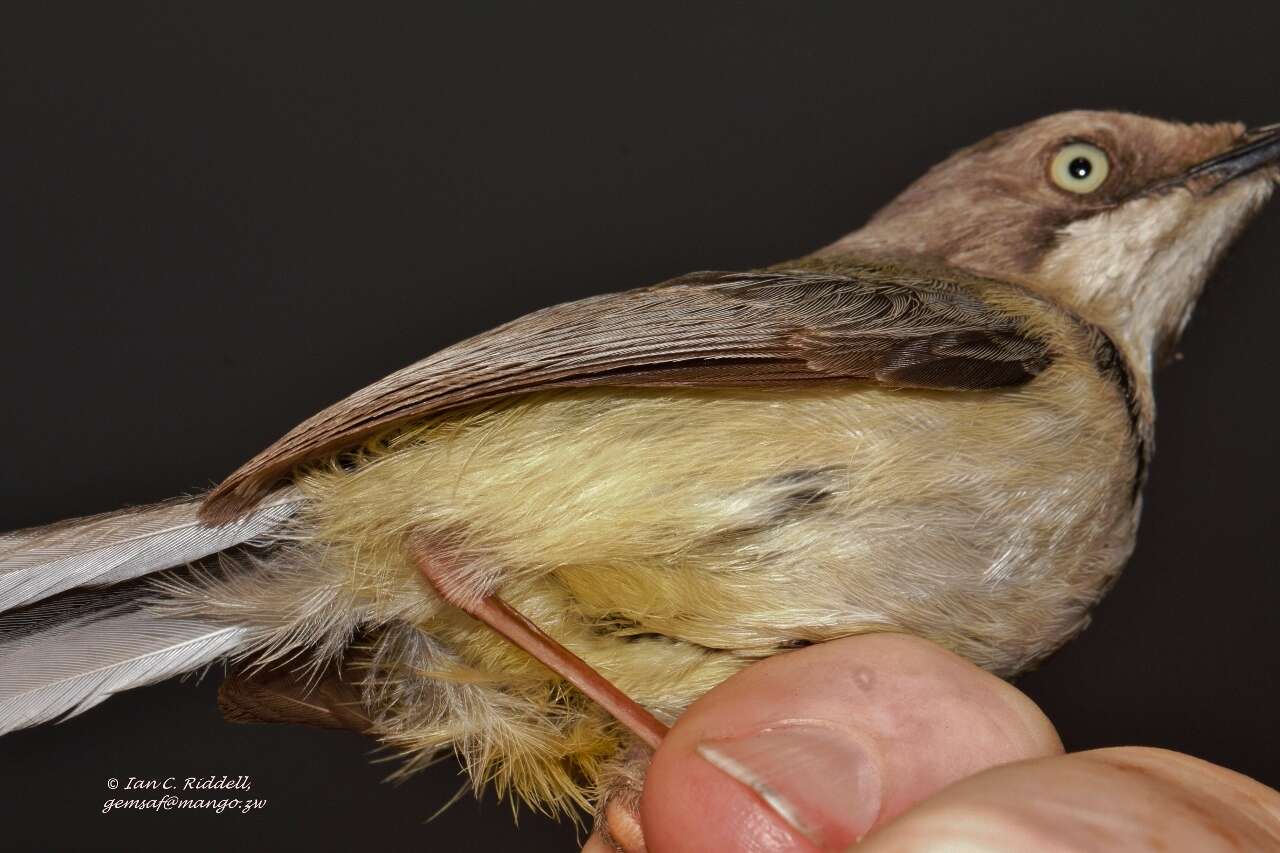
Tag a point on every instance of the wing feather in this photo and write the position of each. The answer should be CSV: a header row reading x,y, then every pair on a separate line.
x,y
705,329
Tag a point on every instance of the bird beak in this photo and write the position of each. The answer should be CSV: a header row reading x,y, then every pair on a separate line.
x,y
1257,149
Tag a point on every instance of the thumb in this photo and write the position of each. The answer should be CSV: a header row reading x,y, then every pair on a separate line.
x,y
812,749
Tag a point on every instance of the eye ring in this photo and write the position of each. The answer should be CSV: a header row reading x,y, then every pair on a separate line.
x,y
1079,168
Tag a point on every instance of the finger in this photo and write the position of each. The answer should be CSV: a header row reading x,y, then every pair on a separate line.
x,y
1111,799
811,749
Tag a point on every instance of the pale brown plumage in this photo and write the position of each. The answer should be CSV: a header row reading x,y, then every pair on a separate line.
x,y
938,424
711,329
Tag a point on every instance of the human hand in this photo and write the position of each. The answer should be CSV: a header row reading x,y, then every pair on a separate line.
x,y
893,738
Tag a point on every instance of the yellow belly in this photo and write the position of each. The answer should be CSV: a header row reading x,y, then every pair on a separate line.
x,y
669,537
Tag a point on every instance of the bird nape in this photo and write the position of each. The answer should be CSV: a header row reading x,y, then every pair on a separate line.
x,y
939,424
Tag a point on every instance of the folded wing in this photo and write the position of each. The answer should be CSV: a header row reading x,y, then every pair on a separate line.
x,y
711,329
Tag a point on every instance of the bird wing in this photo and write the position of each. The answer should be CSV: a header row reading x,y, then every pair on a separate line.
x,y
708,329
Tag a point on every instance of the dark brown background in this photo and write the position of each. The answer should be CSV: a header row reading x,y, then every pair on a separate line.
x,y
216,222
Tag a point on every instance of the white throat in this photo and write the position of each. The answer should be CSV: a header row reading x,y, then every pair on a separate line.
x,y
1137,270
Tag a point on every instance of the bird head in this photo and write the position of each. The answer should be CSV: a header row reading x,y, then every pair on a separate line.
x,y
1119,217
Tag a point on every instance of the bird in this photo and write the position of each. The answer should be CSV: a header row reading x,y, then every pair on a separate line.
x,y
538,546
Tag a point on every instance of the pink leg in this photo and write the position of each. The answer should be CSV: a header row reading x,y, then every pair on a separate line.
x,y
513,625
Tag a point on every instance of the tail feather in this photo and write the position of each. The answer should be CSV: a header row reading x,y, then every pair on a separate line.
x,y
58,662
281,695
114,547
94,606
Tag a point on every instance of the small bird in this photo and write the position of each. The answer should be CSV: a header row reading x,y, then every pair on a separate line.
x,y
538,546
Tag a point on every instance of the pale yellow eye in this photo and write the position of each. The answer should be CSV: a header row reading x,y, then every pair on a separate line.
x,y
1079,167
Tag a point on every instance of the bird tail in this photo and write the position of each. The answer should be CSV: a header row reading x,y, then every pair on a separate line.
x,y
77,615
101,550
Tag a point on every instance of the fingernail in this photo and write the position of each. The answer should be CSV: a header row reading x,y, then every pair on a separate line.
x,y
820,780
